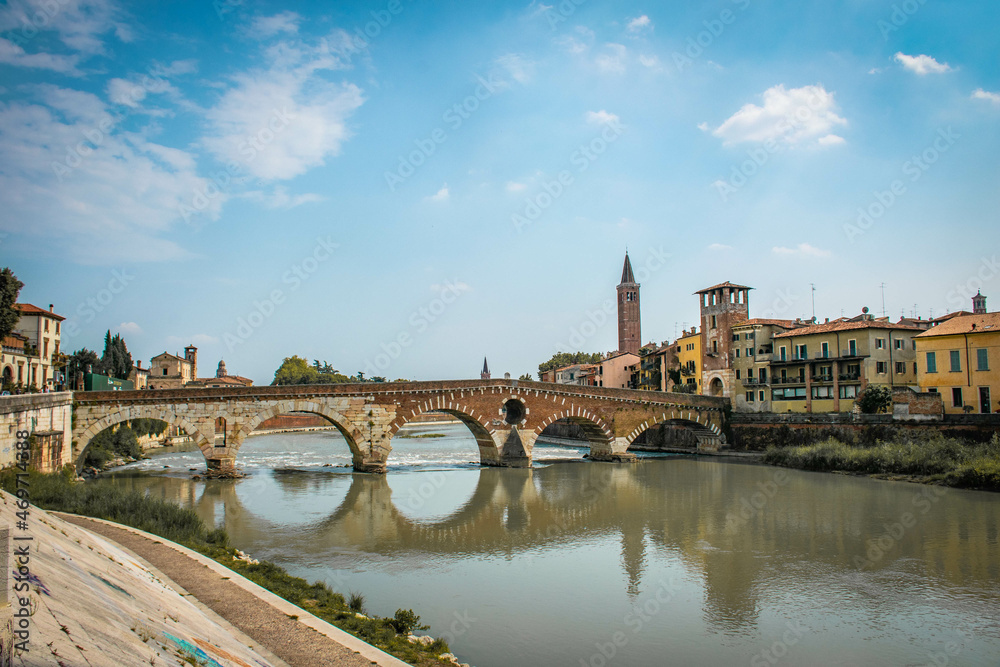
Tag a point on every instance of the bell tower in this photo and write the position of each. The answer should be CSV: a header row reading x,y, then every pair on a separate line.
x,y
629,333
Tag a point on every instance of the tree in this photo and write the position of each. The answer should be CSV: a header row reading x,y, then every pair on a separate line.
x,y
78,363
116,361
560,359
526,376
875,399
296,370
10,287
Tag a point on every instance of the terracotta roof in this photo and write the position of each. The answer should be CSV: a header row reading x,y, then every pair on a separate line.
x,y
721,285
618,354
167,354
14,340
28,309
945,318
966,324
788,324
840,325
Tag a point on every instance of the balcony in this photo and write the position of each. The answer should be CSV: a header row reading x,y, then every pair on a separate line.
x,y
795,379
849,377
755,382
822,378
788,359
687,370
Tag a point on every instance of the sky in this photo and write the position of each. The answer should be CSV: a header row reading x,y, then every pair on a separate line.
x,y
402,187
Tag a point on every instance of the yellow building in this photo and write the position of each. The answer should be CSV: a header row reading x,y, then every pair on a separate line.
x,y
753,347
689,358
824,367
960,359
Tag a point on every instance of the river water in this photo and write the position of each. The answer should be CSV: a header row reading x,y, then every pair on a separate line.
x,y
668,561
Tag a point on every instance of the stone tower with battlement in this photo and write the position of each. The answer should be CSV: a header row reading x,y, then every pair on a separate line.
x,y
629,331
722,306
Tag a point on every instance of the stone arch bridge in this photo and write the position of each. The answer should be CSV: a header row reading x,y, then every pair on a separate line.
x,y
505,416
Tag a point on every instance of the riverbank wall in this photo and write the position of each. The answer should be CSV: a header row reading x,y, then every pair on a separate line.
x,y
48,420
758,431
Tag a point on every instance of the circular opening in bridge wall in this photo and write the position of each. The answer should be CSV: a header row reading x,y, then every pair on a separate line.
x,y
514,410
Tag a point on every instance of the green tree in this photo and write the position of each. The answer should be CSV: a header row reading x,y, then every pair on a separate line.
x,y
296,370
10,287
116,361
560,359
78,363
877,398
526,376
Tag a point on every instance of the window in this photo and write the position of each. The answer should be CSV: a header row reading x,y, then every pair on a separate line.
x,y
46,325
825,347
761,394
879,343
801,352
898,344
849,391
914,344
956,397
914,368
749,373
956,361
715,346
822,392
749,351
932,390
736,337
715,322
737,374
932,362
982,359
164,371
762,375
900,368
881,367
852,347
789,394
737,353
781,353
749,397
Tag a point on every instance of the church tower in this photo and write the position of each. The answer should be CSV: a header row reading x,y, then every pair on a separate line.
x,y
629,334
485,374
979,304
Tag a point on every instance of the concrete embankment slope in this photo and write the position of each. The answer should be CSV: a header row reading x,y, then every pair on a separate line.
x,y
98,601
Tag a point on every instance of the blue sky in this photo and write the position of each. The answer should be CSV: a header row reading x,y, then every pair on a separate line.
x,y
405,187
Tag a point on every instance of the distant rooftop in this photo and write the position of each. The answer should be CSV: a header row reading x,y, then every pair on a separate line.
x,y
722,285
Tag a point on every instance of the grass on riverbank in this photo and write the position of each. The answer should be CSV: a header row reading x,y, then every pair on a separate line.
x,y
421,435
929,458
60,492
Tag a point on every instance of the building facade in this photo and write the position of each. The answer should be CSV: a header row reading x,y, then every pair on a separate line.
x,y
752,362
689,361
41,330
960,359
616,370
629,326
722,307
169,371
825,367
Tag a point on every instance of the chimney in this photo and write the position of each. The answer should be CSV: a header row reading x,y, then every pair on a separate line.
x,y
827,321
51,307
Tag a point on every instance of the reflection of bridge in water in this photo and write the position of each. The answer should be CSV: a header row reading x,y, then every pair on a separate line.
x,y
699,513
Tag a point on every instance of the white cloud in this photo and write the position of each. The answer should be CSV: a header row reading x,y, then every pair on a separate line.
x,y
129,328
80,25
980,94
520,68
601,117
451,286
613,60
652,62
801,250
536,9
579,44
703,127
440,195
122,92
268,26
114,196
875,70
921,64
640,24
12,54
279,198
831,140
279,122
513,186
715,247
792,116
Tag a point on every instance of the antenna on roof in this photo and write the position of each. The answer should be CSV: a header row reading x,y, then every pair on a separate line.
x,y
883,298
813,285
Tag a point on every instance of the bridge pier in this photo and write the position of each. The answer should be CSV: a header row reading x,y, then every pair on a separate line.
x,y
221,464
513,448
614,451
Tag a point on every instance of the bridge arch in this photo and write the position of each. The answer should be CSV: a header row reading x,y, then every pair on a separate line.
x,y
488,450
598,434
698,423
82,444
351,434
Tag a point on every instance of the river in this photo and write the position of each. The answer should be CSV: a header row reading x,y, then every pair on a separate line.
x,y
670,560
